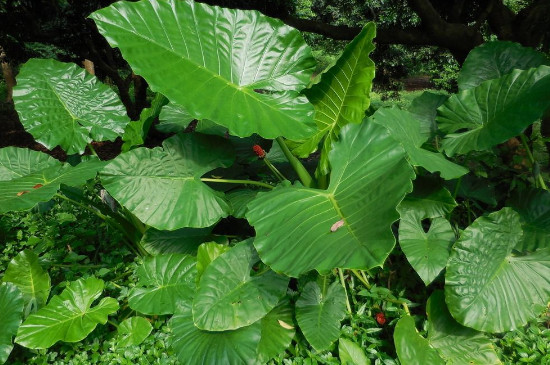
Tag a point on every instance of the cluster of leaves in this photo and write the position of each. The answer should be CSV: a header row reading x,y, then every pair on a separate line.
x,y
248,79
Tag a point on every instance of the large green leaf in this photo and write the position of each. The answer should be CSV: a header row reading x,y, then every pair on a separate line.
x,y
68,317
424,109
277,331
195,346
237,68
132,331
162,187
487,286
165,282
173,119
342,96
405,128
184,240
455,343
411,348
350,353
296,226
533,206
495,59
428,199
34,283
230,297
427,252
62,104
11,312
319,312
29,177
494,111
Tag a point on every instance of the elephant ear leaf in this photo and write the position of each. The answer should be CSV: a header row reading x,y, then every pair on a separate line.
x,y
133,331
485,271
61,104
256,65
155,183
342,96
411,348
482,117
495,59
299,229
11,312
68,317
29,177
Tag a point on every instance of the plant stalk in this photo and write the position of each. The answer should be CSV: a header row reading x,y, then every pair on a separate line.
x,y
303,174
274,170
245,182
538,177
341,274
361,278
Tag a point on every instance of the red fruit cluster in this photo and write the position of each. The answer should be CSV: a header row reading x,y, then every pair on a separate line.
x,y
259,151
380,318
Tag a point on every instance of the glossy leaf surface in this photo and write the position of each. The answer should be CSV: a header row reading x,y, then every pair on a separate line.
x,y
237,68
455,343
533,207
29,177
319,313
154,184
495,59
239,200
487,286
229,297
351,353
164,283
32,281
370,177
496,110
62,104
11,312
68,317
207,253
173,119
406,129
132,331
413,349
342,96
427,252
277,331
195,346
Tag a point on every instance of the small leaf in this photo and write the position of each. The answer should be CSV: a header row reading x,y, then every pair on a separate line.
x,y
133,331
428,199
173,119
207,253
351,353
413,349
277,333
34,283
533,206
68,317
240,299
11,312
319,314
183,240
164,283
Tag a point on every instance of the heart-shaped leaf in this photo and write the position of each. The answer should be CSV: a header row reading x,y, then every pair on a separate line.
x,y
240,299
29,177
487,286
351,353
413,349
342,96
68,317
370,177
195,346
62,104
455,343
154,184
34,283
495,59
319,312
406,129
277,331
256,65
11,312
164,283
496,110
533,207
132,331
427,252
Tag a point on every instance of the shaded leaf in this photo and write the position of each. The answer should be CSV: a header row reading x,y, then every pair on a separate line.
x,y
533,207
424,109
277,331
428,199
68,317
62,104
11,312
173,119
183,240
164,283
239,200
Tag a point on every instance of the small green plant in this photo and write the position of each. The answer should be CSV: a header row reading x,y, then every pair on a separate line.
x,y
249,297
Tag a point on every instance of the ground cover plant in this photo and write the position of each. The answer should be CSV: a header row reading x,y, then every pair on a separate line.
x,y
246,255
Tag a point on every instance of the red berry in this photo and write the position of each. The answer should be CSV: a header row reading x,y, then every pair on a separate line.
x,y
380,318
259,151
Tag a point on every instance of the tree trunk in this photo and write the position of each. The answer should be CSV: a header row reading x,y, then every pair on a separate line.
x,y
7,72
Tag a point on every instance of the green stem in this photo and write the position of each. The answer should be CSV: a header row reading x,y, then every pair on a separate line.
x,y
92,150
361,278
245,182
273,169
112,323
538,177
304,176
74,266
341,274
